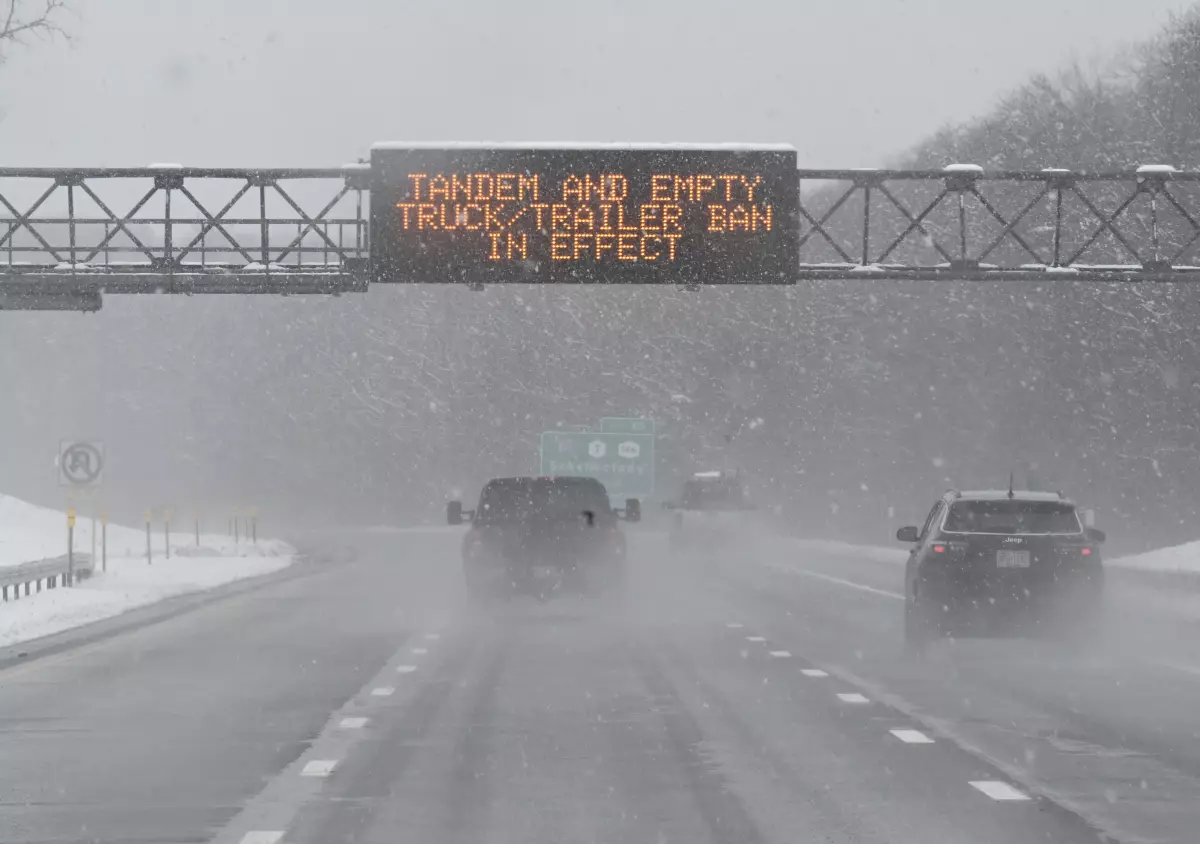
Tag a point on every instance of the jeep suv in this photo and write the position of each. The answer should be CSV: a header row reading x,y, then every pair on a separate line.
x,y
1001,563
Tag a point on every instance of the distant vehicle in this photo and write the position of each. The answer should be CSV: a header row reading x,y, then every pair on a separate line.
x,y
542,536
710,505
1001,563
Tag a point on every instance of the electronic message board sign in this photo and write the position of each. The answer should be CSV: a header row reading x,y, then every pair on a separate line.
x,y
601,214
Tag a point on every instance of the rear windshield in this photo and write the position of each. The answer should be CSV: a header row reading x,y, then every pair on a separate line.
x,y
519,499
712,495
1012,517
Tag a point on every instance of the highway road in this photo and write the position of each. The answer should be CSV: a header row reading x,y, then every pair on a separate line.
x,y
760,694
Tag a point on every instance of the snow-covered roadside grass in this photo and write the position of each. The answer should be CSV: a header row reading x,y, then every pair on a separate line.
x,y
29,533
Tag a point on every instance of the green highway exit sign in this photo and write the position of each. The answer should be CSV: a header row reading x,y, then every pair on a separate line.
x,y
620,425
623,462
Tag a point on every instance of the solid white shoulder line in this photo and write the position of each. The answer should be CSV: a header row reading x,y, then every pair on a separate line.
x,y
852,697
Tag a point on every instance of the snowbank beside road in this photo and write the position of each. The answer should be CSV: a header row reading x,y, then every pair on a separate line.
x,y
128,584
29,533
1179,559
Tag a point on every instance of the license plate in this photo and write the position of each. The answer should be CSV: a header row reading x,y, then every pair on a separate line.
x,y
1012,559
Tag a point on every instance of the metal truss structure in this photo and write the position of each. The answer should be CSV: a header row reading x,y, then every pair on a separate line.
x,y
963,224
66,236
65,240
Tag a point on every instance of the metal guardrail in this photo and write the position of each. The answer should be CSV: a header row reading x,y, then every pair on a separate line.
x,y
50,573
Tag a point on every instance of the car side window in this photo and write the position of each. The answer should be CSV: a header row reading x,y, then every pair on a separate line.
x,y
929,520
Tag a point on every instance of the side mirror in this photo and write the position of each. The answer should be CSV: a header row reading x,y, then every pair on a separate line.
x,y
909,534
454,513
1095,535
633,510
589,516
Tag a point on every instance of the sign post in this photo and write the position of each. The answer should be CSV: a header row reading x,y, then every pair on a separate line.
x,y
149,551
71,546
624,463
167,531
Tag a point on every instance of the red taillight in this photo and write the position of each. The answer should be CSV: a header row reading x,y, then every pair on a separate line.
x,y
1087,552
939,549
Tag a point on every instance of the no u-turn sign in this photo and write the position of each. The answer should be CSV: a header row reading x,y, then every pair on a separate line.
x,y
80,463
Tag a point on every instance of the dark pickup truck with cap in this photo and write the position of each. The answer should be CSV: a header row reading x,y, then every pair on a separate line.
x,y
1001,563
543,535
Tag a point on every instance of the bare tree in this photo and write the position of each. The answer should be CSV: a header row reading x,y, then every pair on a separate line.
x,y
22,19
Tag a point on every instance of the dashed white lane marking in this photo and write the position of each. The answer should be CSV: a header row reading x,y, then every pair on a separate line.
x,y
352,723
406,669
862,587
755,639
383,691
319,768
852,697
813,672
433,637
420,651
912,736
733,625
262,836
998,790
781,654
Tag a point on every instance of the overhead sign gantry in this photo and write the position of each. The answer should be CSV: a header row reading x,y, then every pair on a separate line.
x,y
578,214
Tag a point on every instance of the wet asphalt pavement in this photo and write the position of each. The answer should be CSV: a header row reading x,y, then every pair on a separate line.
x,y
755,695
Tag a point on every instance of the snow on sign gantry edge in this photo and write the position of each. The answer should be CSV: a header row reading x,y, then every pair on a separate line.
x,y
580,145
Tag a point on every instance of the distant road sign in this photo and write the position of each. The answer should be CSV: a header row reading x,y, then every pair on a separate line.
x,y
621,425
624,463
81,463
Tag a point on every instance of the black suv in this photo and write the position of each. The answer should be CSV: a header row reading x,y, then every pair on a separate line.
x,y
539,536
1001,563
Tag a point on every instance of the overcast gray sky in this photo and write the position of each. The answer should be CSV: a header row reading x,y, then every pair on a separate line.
x,y
314,82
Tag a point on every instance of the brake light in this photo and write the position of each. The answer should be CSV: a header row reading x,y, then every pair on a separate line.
x,y
939,549
1087,552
